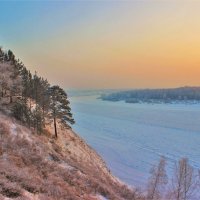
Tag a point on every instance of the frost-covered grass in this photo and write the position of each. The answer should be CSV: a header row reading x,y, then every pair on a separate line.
x,y
37,167
132,137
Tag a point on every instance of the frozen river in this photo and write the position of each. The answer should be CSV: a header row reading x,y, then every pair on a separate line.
x,y
132,137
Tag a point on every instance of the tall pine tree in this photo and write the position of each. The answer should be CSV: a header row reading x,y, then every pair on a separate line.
x,y
60,111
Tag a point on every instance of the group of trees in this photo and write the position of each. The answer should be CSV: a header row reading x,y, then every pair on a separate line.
x,y
156,95
10,81
183,185
31,98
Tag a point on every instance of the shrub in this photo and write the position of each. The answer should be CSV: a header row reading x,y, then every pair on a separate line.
x,y
4,129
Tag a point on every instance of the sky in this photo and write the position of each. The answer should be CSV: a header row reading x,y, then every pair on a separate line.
x,y
106,44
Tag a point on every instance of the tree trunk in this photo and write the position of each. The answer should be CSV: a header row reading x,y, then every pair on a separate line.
x,y
30,105
43,114
55,127
11,100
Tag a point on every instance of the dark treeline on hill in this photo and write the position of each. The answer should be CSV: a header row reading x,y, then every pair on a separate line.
x,y
30,98
182,94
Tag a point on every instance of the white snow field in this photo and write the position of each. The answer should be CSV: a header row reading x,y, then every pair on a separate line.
x,y
132,137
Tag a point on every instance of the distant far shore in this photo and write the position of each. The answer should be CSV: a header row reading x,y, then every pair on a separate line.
x,y
186,95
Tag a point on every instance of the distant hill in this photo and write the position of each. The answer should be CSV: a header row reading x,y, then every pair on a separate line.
x,y
182,94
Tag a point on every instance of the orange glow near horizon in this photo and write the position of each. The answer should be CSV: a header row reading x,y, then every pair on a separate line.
x,y
117,45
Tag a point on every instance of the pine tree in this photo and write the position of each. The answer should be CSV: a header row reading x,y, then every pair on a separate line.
x,y
5,74
37,119
44,100
1,54
16,84
60,112
35,101
21,112
10,81
11,57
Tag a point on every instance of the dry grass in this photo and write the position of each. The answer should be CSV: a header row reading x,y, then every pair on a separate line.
x,y
41,168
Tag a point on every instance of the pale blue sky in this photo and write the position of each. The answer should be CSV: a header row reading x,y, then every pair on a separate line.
x,y
106,44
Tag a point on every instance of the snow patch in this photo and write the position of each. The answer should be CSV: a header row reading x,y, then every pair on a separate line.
x,y
13,129
66,166
31,196
102,197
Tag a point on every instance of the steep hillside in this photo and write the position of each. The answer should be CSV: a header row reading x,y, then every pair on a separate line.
x,y
46,161
40,167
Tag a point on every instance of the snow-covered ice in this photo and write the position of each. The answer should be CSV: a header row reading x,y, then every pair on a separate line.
x,y
132,137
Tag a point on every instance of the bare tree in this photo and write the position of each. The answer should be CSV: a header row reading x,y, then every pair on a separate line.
x,y
157,181
183,182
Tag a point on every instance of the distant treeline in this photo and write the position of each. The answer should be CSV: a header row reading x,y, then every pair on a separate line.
x,y
155,95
